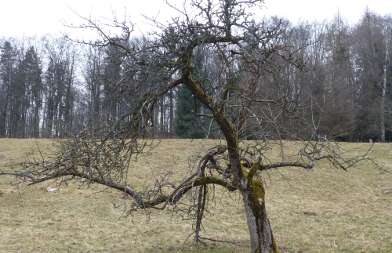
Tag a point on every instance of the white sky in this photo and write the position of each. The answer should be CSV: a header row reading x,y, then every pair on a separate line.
x,y
39,17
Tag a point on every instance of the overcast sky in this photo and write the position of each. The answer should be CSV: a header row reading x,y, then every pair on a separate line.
x,y
38,17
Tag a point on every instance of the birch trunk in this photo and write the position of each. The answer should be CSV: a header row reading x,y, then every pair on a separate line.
x,y
383,91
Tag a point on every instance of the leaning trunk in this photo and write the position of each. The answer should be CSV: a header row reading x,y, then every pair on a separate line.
x,y
261,237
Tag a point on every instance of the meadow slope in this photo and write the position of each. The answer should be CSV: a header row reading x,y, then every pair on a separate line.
x,y
323,210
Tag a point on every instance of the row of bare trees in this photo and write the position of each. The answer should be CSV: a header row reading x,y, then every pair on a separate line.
x,y
56,88
343,86
38,94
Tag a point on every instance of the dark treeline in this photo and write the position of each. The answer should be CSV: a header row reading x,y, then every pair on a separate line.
x,y
342,83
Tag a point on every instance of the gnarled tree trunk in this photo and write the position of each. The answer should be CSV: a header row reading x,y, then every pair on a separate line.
x,y
261,236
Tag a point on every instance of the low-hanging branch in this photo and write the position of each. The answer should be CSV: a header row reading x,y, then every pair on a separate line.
x,y
185,186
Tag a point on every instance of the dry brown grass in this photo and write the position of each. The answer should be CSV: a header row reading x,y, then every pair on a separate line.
x,y
324,210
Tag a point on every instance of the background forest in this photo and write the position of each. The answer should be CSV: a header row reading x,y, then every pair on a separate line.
x,y
54,87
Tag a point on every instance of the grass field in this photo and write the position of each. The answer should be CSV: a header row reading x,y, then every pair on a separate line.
x,y
324,210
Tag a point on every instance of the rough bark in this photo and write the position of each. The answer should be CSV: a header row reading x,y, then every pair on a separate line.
x,y
261,236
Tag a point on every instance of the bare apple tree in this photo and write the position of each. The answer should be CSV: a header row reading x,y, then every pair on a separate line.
x,y
245,53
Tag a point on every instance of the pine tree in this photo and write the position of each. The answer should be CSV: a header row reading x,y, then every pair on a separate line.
x,y
7,75
187,123
30,71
